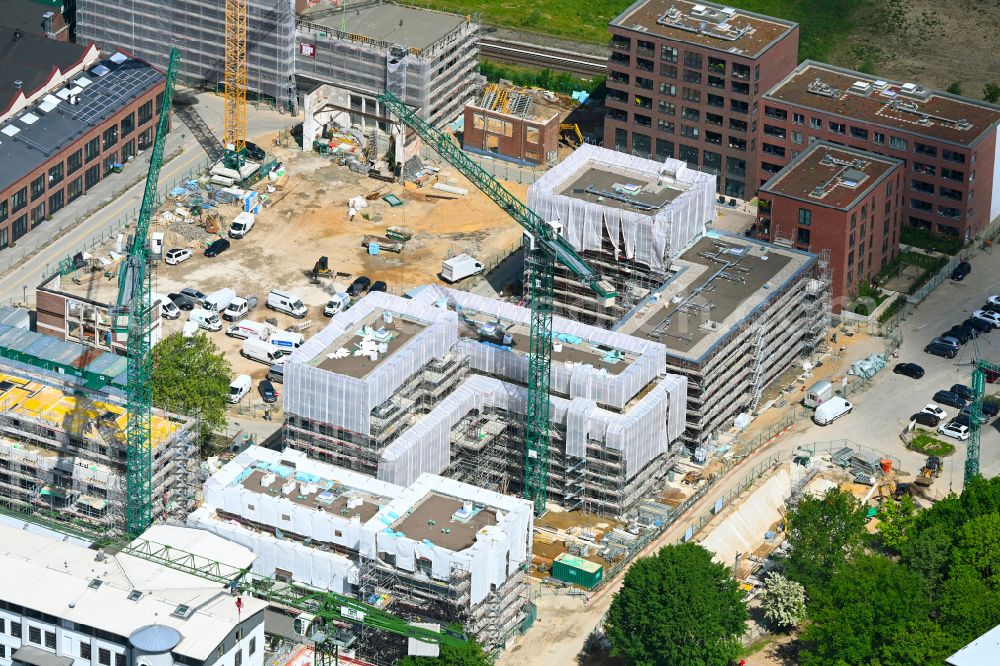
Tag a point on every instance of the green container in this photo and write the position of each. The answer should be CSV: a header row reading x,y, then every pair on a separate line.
x,y
576,570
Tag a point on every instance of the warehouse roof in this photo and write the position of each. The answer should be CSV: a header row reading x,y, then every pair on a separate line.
x,y
31,59
830,175
908,107
706,24
120,593
26,15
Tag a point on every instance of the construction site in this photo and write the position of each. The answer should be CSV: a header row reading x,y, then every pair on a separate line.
x,y
509,124
436,549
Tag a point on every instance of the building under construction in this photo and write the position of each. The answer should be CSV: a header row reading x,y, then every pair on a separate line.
x,y
507,123
396,387
62,445
436,550
732,313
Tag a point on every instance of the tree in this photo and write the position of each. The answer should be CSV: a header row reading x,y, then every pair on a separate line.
x,y
470,654
896,522
823,532
928,553
191,376
677,607
784,602
991,92
955,88
978,548
874,612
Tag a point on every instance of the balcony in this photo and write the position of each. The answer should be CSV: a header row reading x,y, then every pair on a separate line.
x,y
643,83
691,114
925,169
776,114
713,119
645,52
643,64
644,102
619,96
620,44
737,125
620,59
777,151
713,137
716,101
717,66
950,213
737,144
740,88
716,82
741,72
771,130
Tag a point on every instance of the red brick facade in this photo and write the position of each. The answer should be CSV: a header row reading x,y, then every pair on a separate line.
x,y
533,140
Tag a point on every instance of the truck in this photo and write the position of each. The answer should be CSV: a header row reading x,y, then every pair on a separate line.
x,y
241,225
206,319
239,307
459,267
249,329
287,341
264,352
219,300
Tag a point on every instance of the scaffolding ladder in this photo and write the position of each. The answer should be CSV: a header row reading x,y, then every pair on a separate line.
x,y
759,353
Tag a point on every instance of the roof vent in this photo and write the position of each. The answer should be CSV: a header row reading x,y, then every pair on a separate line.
x,y
17,35
95,583
18,83
183,611
134,595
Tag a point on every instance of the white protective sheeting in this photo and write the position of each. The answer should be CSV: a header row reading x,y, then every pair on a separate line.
x,y
650,239
346,402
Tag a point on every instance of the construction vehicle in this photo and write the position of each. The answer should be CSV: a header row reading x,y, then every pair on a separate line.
x,y
321,268
573,130
930,471
544,246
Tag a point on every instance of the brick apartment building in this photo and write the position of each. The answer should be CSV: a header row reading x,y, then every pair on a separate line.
x,y
947,144
839,199
685,80
74,120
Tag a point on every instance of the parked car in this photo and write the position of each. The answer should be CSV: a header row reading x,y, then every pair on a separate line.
x,y
965,416
831,410
168,310
941,349
378,285
191,292
359,286
267,392
945,340
935,410
239,387
217,248
978,324
183,301
337,303
961,333
287,302
961,270
909,369
950,399
956,430
927,419
962,391
993,300
989,410
988,316
176,256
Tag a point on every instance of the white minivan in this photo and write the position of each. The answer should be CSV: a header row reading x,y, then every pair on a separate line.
x,y
206,319
831,410
287,341
287,302
168,310
239,387
263,352
242,225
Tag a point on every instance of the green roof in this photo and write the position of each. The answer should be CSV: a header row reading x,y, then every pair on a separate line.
x,y
578,563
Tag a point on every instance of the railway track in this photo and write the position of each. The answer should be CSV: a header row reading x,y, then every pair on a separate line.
x,y
523,53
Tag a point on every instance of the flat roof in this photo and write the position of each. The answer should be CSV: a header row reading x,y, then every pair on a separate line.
x,y
405,26
434,519
372,327
903,106
830,175
980,652
324,495
705,24
719,282
42,130
630,185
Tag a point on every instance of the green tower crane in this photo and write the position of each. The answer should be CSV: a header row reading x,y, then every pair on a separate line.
x,y
544,247
979,370
131,321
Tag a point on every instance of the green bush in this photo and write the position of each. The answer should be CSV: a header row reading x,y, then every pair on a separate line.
x,y
928,240
540,78
891,310
931,446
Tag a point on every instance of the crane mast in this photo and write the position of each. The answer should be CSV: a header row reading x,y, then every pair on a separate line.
x,y
235,121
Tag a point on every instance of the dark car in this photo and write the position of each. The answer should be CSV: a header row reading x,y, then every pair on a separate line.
x,y
193,294
962,391
963,269
182,301
267,392
909,369
927,419
978,324
949,398
378,285
254,152
359,286
941,349
960,333
217,248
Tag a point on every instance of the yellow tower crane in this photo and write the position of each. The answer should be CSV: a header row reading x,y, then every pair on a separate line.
x,y
235,127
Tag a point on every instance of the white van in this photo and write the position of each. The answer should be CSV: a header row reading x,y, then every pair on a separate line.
x,y
337,303
167,308
239,387
247,329
206,319
831,410
287,302
265,352
287,341
241,225
219,300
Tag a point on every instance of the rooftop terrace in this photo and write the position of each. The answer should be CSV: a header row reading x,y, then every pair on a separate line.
x,y
706,24
445,521
367,344
721,280
904,106
393,24
320,494
831,175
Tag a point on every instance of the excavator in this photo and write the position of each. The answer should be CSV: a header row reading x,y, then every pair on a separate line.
x,y
930,471
574,131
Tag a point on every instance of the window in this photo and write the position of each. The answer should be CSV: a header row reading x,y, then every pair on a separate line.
x,y
924,149
859,133
713,119
713,137
664,149
739,107
837,128
796,137
921,186
56,174
687,113
737,144
641,144
252,647
50,640
104,656
665,126
921,205
92,176
532,134
741,71
879,138
688,154
128,123
34,635
146,110
667,108
777,114
668,54
237,657
692,94
128,150
37,215
816,123
740,88
644,65
850,258
805,217
668,71
692,60
689,131
85,651
803,237
643,102
898,144
798,119
738,125
952,156
74,162
74,189
644,83
621,43
646,48
110,136
668,89
947,211
716,82
715,100
926,169
771,149
38,187
19,200
92,149
159,102
3,625
642,121
717,65
692,77
951,174
774,130
120,659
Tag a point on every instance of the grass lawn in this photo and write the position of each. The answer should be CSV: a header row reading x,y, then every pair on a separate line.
x,y
822,22
930,446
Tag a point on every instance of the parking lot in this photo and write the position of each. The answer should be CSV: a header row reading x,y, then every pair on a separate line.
x,y
884,408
